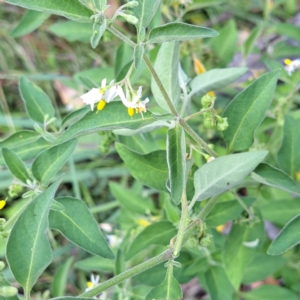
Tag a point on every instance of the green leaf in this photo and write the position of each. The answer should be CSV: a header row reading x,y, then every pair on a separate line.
x,y
138,55
225,44
215,79
150,169
139,292
50,161
96,263
30,21
219,287
287,238
59,281
169,289
270,292
247,110
28,151
66,8
145,12
94,4
71,298
114,116
15,165
20,138
224,172
289,30
74,116
262,266
176,159
166,67
130,200
251,40
271,176
179,32
141,143
238,251
280,212
38,104
226,211
77,224
123,58
30,232
72,31
159,233
289,155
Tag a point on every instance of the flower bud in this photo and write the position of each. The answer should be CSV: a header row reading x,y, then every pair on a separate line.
x,y
222,124
2,265
131,4
130,19
8,291
207,101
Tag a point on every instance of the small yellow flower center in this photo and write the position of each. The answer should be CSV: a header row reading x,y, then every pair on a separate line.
x,y
2,203
101,104
89,284
287,61
143,222
130,111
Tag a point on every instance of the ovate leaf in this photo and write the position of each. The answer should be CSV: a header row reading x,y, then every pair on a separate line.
x,y
287,238
145,12
269,175
281,211
31,21
169,289
215,79
150,169
15,165
77,224
247,110
270,292
219,287
30,232
50,161
289,155
113,116
166,67
159,233
176,159
67,8
72,31
237,253
20,138
179,32
37,103
224,172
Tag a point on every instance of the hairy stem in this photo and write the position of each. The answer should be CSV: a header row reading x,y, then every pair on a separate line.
x,y
167,255
182,225
208,207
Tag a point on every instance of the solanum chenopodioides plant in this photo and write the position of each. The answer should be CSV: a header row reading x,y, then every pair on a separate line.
x,y
120,106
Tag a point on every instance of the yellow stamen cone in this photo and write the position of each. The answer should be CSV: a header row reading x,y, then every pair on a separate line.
x,y
101,104
287,61
2,203
130,111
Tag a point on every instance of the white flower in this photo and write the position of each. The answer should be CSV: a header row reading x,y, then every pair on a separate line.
x,y
133,102
105,93
93,283
292,65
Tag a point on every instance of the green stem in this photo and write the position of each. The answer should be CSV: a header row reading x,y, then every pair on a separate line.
x,y
182,225
75,184
166,255
197,138
198,113
243,205
208,207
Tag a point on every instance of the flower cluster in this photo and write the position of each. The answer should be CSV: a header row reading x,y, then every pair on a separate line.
x,y
292,65
106,94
